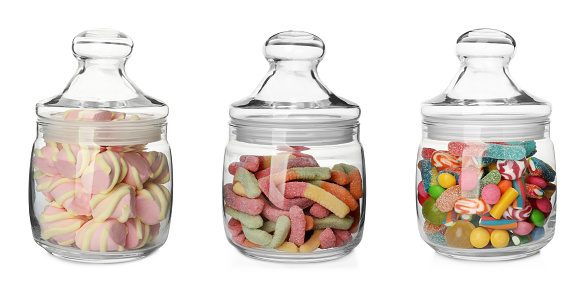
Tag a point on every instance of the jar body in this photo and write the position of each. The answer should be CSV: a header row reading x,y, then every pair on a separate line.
x,y
293,202
94,202
486,199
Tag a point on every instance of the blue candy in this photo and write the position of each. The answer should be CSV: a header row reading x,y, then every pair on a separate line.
x,y
547,172
505,152
437,238
530,146
428,173
537,233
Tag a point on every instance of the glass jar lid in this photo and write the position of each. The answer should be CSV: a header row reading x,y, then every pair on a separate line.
x,y
291,97
101,104
483,101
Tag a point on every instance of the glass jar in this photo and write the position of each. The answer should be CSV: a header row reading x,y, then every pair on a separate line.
x,y
294,177
486,176
100,177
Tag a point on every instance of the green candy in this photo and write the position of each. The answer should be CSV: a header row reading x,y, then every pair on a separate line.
x,y
537,218
312,173
282,226
431,213
257,236
333,222
268,226
436,190
248,220
493,177
249,182
344,168
517,240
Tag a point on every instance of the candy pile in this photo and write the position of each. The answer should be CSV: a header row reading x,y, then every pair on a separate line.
x,y
102,198
289,203
485,195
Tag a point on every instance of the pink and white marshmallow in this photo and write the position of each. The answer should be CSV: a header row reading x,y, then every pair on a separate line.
x,y
59,225
152,203
117,204
104,172
109,235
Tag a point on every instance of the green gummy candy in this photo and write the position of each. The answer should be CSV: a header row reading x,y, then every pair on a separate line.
x,y
249,182
248,220
312,173
282,226
268,226
257,236
333,222
344,168
493,177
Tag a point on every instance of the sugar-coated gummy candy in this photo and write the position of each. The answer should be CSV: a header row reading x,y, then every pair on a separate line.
x,y
252,206
446,201
343,234
282,228
458,236
235,227
431,213
493,177
327,239
491,193
257,236
539,168
249,182
428,173
334,222
313,243
435,191
339,192
499,238
437,238
298,225
269,226
247,220
446,180
427,153
505,152
537,218
317,210
288,247
480,237
431,228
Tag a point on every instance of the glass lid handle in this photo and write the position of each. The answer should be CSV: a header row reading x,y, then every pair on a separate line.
x,y
102,44
294,45
485,43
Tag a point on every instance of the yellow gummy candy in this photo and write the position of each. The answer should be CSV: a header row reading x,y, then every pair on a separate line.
x,y
327,200
288,247
239,189
313,243
505,200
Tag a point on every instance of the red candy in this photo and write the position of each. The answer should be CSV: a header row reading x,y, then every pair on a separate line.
x,y
344,235
252,206
319,211
297,225
537,181
328,239
235,227
533,191
444,160
544,205
427,153
423,195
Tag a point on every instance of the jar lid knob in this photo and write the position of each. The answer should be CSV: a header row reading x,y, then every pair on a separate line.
x,y
294,45
485,42
102,44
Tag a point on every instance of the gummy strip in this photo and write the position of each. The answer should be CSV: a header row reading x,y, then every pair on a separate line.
x,y
317,194
257,236
281,232
489,222
250,221
313,243
332,221
249,182
252,206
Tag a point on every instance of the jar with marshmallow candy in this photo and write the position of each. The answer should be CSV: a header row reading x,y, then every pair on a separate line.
x,y
100,179
486,180
294,177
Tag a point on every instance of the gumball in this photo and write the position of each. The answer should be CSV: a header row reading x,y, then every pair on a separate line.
x,y
458,235
468,179
446,180
499,238
537,218
480,237
504,185
436,190
491,193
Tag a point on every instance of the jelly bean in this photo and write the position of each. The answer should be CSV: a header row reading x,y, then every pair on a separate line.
x,y
537,233
490,222
544,205
505,152
282,228
431,213
446,180
541,169
468,180
471,206
257,236
505,200
252,206
339,192
446,201
540,182
313,243
428,173
491,193
520,239
430,228
519,186
480,237
537,218
504,185
458,236
533,191
518,215
327,239
298,225
247,220
444,160
427,153
435,191
249,182
511,170
318,211
523,228
332,221
499,238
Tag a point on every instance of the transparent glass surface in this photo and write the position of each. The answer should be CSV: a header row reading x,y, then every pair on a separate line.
x,y
294,177
486,180
100,179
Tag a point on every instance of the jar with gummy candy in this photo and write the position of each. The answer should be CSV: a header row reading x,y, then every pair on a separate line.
x,y
486,180
100,180
294,177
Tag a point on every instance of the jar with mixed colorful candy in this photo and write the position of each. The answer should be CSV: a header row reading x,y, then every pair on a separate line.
x,y
294,178
486,180
100,179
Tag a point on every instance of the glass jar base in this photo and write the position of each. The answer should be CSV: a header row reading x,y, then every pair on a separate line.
x,y
273,255
95,257
491,254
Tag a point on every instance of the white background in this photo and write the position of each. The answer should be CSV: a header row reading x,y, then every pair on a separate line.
x,y
387,57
